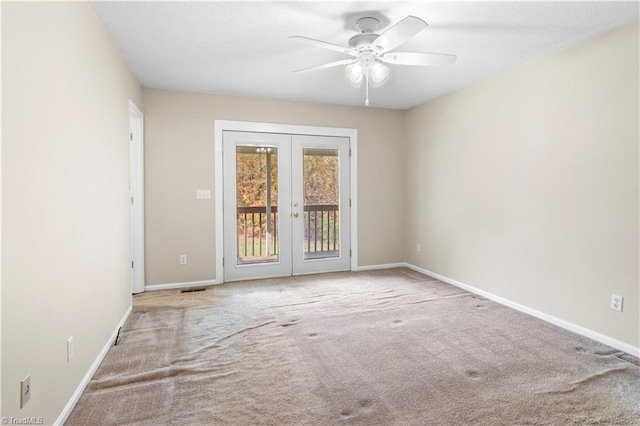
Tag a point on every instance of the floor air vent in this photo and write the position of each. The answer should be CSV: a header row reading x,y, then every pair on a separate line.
x,y
192,290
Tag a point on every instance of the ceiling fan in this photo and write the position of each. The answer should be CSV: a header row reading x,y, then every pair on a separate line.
x,y
370,52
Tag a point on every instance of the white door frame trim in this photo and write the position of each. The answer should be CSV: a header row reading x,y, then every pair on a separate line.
x,y
246,126
136,192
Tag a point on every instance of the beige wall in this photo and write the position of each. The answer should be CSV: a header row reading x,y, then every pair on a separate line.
x,y
65,215
526,185
179,158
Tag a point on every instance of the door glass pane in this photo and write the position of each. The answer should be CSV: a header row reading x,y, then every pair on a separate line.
x,y
321,203
257,204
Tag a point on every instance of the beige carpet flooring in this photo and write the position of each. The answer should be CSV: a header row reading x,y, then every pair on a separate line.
x,y
390,347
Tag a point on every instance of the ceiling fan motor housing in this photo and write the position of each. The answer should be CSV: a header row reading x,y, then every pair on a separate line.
x,y
367,26
362,41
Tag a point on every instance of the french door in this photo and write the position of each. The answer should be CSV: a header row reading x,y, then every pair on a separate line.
x,y
286,204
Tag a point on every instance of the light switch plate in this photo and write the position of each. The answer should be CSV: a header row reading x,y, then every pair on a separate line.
x,y
203,194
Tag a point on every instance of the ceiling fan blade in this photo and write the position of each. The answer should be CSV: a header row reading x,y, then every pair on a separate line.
x,y
325,45
418,58
329,65
398,34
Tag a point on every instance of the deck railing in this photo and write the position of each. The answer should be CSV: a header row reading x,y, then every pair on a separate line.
x,y
253,240
321,230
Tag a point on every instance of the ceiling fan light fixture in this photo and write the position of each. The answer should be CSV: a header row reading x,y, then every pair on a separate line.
x,y
378,74
354,73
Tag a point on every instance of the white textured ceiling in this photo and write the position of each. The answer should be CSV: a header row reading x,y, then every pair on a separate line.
x,y
242,48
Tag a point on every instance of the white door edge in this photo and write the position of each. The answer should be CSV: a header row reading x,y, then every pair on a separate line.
x,y
221,126
136,194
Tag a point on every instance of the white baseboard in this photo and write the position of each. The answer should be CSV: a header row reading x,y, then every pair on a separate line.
x,y
92,370
383,266
609,341
172,286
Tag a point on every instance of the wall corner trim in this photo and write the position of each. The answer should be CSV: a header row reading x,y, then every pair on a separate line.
x,y
598,337
92,370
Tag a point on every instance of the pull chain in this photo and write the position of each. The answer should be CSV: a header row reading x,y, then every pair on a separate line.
x,y
366,77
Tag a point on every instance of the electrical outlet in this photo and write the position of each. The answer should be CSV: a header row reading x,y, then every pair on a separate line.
x,y
183,259
25,390
71,351
616,302
418,247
